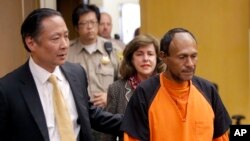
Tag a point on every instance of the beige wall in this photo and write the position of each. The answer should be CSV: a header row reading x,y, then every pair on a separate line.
x,y
12,53
221,28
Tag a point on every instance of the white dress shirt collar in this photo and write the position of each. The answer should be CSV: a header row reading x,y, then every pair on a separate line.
x,y
41,74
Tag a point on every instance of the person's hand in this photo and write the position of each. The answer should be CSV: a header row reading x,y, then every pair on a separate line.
x,y
99,99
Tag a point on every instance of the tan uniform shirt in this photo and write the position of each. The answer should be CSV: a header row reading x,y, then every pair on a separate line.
x,y
118,43
102,69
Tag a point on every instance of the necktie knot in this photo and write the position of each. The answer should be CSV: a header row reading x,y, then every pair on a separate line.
x,y
52,79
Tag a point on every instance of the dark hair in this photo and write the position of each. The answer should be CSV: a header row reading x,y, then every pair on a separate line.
x,y
127,69
168,37
137,31
32,25
83,9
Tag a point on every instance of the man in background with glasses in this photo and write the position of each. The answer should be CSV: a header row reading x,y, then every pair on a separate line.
x,y
97,55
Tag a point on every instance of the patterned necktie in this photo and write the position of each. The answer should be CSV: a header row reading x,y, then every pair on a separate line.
x,y
64,124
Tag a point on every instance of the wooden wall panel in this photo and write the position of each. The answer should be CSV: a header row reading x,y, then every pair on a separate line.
x,y
12,52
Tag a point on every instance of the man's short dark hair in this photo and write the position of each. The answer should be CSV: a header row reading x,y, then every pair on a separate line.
x,y
168,37
83,9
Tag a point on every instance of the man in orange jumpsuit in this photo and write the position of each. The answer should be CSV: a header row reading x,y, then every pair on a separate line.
x,y
176,105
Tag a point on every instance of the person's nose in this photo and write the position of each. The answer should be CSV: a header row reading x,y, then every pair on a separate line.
x,y
190,61
65,42
106,26
145,57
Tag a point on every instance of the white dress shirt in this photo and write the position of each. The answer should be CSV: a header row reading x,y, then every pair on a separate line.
x,y
45,90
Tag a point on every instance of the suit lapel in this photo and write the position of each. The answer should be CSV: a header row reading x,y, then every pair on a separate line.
x,y
129,91
32,99
80,99
74,85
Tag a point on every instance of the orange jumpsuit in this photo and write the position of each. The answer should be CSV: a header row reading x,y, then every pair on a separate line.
x,y
162,110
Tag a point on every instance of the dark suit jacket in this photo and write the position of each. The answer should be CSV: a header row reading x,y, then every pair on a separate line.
x,y
21,113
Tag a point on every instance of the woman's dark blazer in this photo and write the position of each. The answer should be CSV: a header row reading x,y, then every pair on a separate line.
x,y
119,94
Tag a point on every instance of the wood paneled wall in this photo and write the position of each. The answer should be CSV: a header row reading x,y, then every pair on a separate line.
x,y
12,52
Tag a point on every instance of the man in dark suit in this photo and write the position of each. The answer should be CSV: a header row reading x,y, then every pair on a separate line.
x,y
26,103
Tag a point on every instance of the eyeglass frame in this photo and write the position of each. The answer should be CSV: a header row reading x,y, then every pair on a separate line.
x,y
88,23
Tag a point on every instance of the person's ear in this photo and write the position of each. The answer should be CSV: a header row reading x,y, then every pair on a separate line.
x,y
30,42
162,55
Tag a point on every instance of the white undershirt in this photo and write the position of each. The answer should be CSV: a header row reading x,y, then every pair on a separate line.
x,y
90,48
44,88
